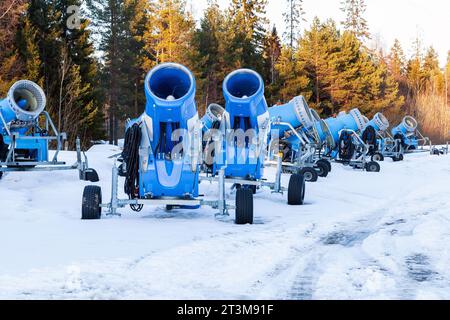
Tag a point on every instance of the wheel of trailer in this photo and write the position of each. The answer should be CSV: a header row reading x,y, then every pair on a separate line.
x,y
244,206
92,198
326,163
310,174
377,157
296,190
321,169
373,167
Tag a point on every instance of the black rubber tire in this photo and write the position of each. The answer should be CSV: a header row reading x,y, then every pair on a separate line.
x,y
321,169
92,198
377,157
310,174
244,206
253,188
296,190
373,167
401,158
325,162
1,175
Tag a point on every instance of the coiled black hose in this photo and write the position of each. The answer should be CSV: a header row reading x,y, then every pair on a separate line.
x,y
369,137
130,156
346,146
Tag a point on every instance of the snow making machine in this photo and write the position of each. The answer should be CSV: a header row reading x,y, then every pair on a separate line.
x,y
161,159
344,143
294,132
26,130
411,138
238,137
381,143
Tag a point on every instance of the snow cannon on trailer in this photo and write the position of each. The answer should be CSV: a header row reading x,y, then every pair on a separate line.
x,y
408,133
24,142
294,131
344,143
239,142
381,144
162,154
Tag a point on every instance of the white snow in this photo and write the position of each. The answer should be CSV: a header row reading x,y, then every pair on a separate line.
x,y
359,236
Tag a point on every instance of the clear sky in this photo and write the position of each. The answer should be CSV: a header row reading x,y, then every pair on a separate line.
x,y
388,19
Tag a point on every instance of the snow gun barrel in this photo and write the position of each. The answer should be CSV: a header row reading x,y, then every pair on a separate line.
x,y
407,127
246,106
296,113
331,127
379,122
214,113
171,120
25,101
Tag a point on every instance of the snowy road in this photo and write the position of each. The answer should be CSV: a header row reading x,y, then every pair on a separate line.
x,y
359,236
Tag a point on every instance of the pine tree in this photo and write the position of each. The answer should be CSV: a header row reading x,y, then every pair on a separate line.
x,y
433,78
414,69
246,30
355,21
271,54
293,81
397,61
29,52
293,18
169,33
110,20
50,50
11,65
138,17
317,54
207,58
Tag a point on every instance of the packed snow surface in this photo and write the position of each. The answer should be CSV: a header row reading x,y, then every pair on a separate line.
x,y
359,236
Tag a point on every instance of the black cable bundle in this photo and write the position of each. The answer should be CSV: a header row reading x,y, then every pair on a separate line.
x,y
401,138
130,156
346,146
369,137
3,149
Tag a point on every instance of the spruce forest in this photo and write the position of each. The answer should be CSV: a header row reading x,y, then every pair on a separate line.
x,y
93,74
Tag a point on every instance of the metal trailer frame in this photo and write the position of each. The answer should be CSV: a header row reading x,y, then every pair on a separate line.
x,y
12,165
275,186
116,203
358,161
445,150
392,148
307,155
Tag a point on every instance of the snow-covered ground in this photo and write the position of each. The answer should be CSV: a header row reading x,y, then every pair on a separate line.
x,y
360,236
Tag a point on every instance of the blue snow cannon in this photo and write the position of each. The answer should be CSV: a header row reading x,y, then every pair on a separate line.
x,y
213,116
291,121
406,131
296,113
26,130
381,145
171,143
162,154
248,114
353,120
379,122
24,103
